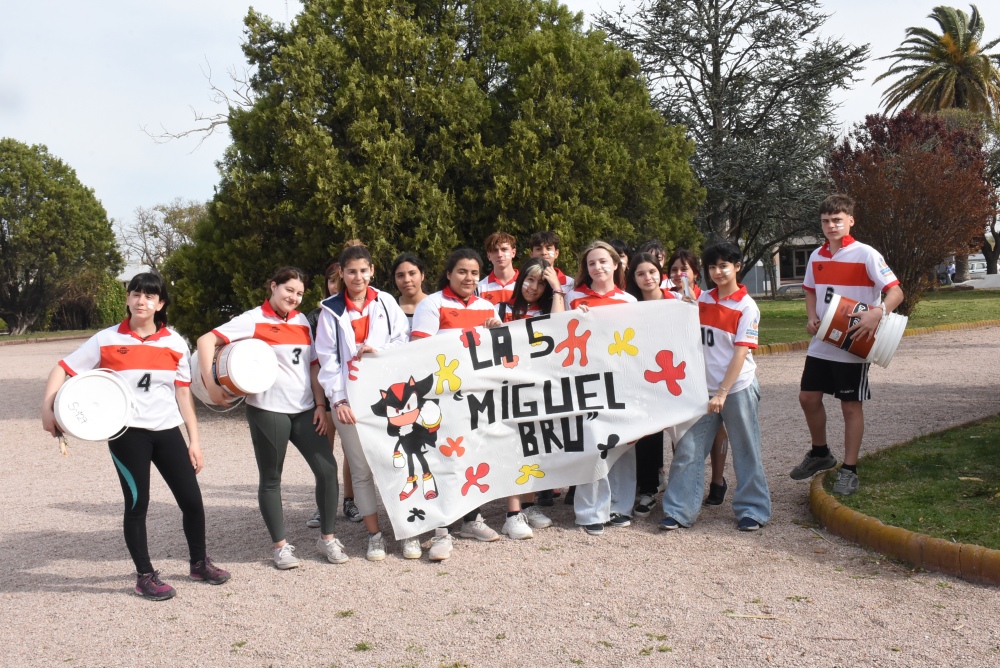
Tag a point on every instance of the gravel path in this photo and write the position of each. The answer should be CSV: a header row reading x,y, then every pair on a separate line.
x,y
708,596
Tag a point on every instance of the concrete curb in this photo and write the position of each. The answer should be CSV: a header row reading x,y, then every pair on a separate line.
x,y
969,562
47,339
773,348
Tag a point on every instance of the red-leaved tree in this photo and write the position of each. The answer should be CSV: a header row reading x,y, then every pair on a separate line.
x,y
921,191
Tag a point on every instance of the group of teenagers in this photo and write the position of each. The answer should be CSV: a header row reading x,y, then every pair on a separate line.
x,y
308,403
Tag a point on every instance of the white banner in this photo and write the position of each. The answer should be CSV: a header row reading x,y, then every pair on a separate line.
x,y
453,421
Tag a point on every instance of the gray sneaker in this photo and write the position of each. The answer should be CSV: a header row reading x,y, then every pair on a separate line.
x,y
847,483
284,559
313,522
478,529
376,548
441,545
333,549
810,466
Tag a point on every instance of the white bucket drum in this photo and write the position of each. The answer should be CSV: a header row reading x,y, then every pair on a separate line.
x,y
842,313
248,366
94,405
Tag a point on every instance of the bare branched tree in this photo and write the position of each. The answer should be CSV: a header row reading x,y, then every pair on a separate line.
x,y
156,232
206,124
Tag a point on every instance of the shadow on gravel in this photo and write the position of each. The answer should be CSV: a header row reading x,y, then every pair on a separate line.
x,y
20,399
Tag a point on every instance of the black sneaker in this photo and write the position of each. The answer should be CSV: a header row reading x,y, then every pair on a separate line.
x,y
594,529
545,498
810,466
749,524
645,505
351,511
669,524
716,493
618,520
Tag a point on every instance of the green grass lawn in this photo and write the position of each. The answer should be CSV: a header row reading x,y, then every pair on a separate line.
x,y
48,335
946,485
784,321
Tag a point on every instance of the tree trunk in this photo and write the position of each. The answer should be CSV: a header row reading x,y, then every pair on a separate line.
x,y
961,267
992,251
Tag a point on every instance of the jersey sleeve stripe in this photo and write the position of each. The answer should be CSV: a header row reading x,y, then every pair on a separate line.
x,y
66,368
181,383
748,344
221,335
418,335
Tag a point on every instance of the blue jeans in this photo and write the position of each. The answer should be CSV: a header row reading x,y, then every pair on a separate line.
x,y
686,486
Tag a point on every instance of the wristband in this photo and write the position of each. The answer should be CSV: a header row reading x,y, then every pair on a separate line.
x,y
558,292
723,390
342,402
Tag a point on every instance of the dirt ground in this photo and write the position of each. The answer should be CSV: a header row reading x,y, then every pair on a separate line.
x,y
707,596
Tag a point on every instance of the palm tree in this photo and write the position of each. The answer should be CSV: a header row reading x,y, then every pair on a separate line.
x,y
947,70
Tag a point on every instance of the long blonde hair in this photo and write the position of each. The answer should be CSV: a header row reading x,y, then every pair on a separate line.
x,y
583,278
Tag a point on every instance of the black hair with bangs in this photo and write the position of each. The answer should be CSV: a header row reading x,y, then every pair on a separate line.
x,y
151,284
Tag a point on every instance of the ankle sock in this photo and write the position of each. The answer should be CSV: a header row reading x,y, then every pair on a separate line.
x,y
511,513
853,468
820,451
525,506
471,517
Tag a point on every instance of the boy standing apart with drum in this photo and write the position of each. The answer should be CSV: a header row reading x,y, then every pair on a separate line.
x,y
848,268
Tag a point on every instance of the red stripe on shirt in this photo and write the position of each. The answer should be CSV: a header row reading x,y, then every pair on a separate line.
x,y
129,358
453,318
360,327
842,273
282,334
720,317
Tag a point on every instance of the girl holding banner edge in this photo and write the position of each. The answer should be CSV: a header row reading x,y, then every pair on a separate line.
x,y
293,409
452,308
154,437
359,320
609,499
537,291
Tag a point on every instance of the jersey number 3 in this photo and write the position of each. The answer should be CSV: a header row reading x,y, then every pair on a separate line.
x,y
297,352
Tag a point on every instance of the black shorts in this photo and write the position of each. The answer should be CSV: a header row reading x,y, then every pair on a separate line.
x,y
846,381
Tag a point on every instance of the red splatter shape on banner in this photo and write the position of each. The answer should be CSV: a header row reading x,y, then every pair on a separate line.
x,y
573,342
472,478
454,446
352,369
512,363
668,372
465,339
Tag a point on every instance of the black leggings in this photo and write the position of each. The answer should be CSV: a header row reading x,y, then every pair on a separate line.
x,y
270,433
132,453
648,462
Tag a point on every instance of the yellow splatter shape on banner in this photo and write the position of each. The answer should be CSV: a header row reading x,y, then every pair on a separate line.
x,y
529,471
536,340
446,374
622,345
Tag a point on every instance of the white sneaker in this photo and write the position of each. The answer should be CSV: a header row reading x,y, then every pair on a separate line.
x,y
411,548
333,549
477,529
313,522
284,559
661,481
517,527
441,545
376,548
536,518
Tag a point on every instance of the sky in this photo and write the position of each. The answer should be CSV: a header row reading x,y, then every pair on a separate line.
x,y
85,78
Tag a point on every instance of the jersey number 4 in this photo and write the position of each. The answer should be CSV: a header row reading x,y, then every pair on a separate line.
x,y
144,382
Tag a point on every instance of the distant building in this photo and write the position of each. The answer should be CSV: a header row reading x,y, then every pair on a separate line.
x,y
131,270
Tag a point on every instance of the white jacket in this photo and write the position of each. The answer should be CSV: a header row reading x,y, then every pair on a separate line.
x,y
335,346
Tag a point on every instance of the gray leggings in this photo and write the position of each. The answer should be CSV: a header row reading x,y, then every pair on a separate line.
x,y
270,433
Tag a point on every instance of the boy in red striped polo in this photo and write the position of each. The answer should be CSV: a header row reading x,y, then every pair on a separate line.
x,y
498,287
851,269
729,332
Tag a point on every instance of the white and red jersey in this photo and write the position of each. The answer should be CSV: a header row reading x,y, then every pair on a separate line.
x,y
444,311
565,281
585,295
344,327
291,340
665,282
726,323
856,271
151,367
495,291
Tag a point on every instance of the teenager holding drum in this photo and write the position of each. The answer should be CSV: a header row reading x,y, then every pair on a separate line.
x,y
293,409
153,359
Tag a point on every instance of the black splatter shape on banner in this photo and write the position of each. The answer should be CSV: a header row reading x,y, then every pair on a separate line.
x,y
416,514
605,447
